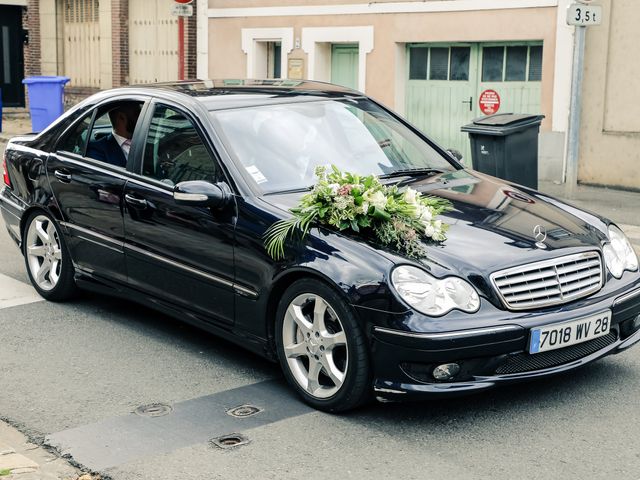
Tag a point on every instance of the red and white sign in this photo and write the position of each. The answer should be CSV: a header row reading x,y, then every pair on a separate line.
x,y
184,2
489,102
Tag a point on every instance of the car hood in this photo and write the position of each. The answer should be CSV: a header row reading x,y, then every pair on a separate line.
x,y
492,224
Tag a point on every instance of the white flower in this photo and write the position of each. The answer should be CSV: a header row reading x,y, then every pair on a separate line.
x,y
425,215
334,188
411,196
378,199
429,230
364,208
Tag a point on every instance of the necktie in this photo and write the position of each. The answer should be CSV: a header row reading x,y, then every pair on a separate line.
x,y
126,145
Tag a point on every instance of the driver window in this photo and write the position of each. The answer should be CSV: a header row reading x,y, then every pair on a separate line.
x,y
174,152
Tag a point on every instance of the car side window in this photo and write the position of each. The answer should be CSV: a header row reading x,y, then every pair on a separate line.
x,y
112,132
75,140
174,151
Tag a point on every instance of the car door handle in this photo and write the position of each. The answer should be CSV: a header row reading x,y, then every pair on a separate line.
x,y
135,201
62,176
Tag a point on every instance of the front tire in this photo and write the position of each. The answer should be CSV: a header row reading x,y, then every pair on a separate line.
x,y
321,348
47,259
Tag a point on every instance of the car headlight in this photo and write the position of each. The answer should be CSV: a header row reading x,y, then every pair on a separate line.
x,y
618,253
432,296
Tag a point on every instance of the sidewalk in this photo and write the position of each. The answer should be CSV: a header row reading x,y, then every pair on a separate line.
x,y
14,122
618,205
23,460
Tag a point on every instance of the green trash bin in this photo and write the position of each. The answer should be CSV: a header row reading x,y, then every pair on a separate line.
x,y
505,145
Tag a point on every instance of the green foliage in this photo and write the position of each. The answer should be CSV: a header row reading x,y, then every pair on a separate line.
x,y
397,218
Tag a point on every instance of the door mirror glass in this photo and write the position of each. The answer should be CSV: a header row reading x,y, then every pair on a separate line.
x,y
199,193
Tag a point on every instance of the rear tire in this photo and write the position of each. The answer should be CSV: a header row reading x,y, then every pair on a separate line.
x,y
321,348
47,259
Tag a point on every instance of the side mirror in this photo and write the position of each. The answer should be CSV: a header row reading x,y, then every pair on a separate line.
x,y
199,193
455,154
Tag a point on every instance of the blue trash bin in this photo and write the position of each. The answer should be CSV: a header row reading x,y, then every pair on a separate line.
x,y
46,99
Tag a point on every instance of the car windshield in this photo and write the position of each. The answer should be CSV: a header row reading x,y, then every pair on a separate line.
x,y
280,145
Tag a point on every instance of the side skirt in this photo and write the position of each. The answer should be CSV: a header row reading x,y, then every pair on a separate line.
x,y
247,341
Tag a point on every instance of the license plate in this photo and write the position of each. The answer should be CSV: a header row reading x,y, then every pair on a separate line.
x,y
563,335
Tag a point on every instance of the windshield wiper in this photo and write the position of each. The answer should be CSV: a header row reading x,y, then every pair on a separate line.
x,y
413,171
291,190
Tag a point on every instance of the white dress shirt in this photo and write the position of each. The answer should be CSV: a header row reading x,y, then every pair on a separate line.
x,y
125,144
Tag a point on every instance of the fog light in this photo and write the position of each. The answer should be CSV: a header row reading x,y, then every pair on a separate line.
x,y
446,371
636,323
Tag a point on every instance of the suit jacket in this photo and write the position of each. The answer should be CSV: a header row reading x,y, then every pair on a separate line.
x,y
107,150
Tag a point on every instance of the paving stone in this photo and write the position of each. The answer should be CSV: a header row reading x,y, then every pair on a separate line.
x,y
14,461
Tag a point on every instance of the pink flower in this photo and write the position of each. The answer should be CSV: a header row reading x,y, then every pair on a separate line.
x,y
345,189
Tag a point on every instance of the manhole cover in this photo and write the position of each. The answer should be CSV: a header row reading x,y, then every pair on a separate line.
x,y
243,411
229,441
153,410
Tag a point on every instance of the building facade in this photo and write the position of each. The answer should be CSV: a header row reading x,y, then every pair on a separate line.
x,y
97,44
433,60
440,63
610,134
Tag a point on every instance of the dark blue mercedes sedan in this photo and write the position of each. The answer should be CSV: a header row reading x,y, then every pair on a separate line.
x,y
163,194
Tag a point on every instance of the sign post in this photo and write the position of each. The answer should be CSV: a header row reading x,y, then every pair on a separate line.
x,y
182,9
581,15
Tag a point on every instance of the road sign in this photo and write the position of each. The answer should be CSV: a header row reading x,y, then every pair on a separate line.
x,y
182,10
584,15
489,102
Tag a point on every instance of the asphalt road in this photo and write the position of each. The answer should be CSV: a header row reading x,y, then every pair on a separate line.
x,y
72,374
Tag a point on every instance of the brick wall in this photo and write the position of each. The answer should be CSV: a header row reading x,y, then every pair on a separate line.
x,y
120,40
31,22
190,44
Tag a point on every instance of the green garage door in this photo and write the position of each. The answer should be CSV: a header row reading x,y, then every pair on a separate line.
x,y
344,65
446,80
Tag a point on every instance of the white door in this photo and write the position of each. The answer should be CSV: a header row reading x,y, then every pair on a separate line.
x,y
153,42
81,30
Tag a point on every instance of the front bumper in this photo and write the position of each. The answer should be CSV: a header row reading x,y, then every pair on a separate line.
x,y
490,356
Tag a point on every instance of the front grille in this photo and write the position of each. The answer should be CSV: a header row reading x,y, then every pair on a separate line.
x,y
550,282
525,362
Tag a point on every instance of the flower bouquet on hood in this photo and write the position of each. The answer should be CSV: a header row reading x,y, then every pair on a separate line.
x,y
397,218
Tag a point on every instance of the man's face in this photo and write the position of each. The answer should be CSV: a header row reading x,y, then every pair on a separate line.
x,y
126,121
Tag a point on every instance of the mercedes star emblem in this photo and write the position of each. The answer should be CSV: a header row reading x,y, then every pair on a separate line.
x,y
540,234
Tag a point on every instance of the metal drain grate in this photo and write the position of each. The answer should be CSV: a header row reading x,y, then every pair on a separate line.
x,y
243,411
231,440
153,410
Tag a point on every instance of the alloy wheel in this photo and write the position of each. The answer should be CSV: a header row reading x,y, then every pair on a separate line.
x,y
315,345
44,253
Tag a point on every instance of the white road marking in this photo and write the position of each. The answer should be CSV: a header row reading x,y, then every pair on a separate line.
x,y
14,292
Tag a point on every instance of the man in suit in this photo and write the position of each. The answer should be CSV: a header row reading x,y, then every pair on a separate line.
x,y
114,147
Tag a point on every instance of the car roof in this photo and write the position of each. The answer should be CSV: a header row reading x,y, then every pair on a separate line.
x,y
235,93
